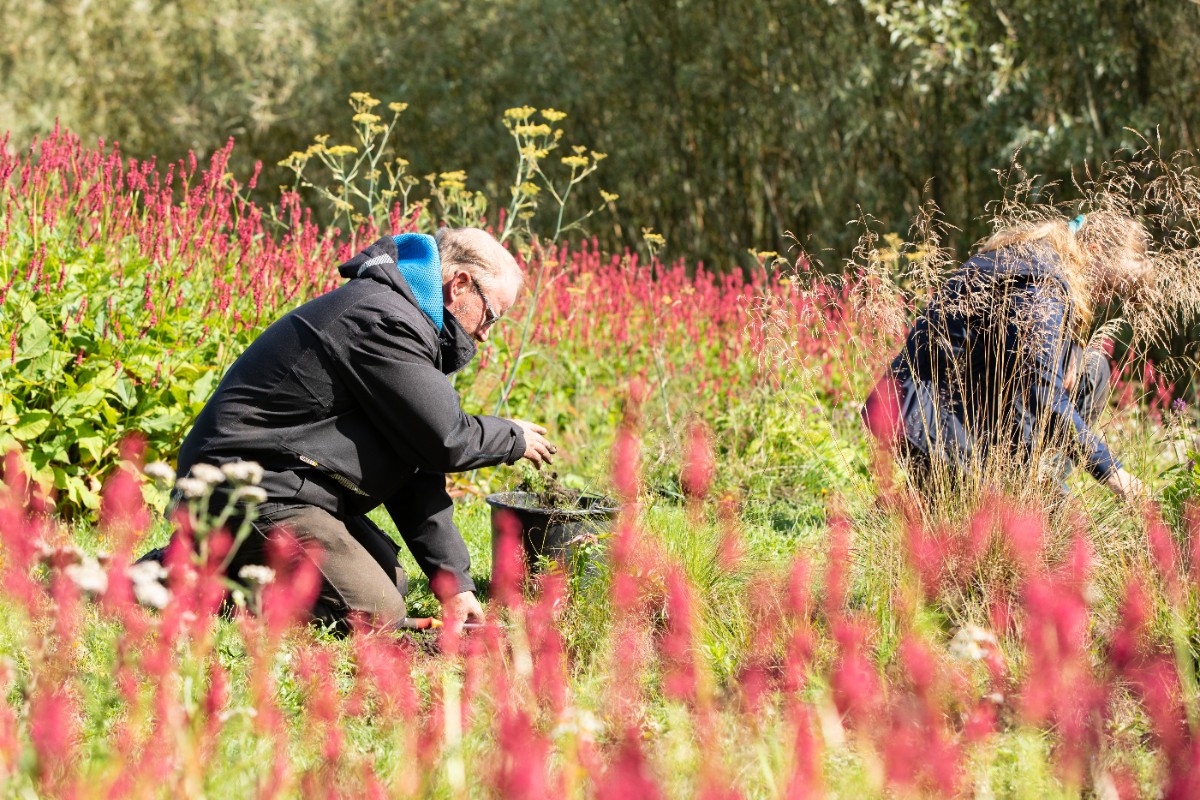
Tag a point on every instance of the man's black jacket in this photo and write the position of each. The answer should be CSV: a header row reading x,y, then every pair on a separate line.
x,y
346,404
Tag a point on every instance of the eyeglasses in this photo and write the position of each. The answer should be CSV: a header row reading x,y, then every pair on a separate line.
x,y
492,317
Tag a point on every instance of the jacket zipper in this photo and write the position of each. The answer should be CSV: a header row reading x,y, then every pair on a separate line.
x,y
338,478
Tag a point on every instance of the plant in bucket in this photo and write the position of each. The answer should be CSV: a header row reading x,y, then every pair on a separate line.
x,y
553,521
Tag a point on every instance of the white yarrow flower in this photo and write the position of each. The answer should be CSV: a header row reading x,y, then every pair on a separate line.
x,y
971,643
152,594
89,576
252,494
191,488
160,472
243,472
256,574
207,473
146,571
147,578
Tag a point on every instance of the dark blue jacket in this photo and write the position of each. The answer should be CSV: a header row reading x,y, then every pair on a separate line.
x,y
984,365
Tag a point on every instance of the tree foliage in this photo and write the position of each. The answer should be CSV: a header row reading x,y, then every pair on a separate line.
x,y
730,123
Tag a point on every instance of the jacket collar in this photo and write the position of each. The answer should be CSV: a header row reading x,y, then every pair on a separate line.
x,y
377,262
458,348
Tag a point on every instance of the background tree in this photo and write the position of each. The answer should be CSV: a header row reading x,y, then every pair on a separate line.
x,y
731,123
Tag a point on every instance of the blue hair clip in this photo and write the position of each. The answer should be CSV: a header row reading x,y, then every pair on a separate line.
x,y
1077,223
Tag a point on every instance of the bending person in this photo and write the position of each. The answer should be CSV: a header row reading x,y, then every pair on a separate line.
x,y
346,404
991,371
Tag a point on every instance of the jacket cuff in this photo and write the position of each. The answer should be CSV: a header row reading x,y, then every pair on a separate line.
x,y
518,448
1102,464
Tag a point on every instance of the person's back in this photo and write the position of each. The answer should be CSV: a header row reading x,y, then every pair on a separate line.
x,y
984,371
978,345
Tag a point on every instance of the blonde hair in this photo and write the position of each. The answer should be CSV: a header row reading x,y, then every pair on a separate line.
x,y
1106,252
478,253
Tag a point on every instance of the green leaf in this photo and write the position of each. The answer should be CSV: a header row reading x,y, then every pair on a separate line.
x,y
203,386
125,391
85,399
89,442
110,415
162,422
47,366
57,450
35,339
77,488
31,425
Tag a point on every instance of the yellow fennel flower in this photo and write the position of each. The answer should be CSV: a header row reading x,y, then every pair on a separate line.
x,y
519,114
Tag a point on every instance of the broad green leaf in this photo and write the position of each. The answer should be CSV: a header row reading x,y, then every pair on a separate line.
x,y
125,391
203,387
58,449
162,422
87,498
84,400
89,442
31,425
36,337
46,367
109,414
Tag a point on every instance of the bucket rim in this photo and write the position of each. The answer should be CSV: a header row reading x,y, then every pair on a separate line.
x,y
602,505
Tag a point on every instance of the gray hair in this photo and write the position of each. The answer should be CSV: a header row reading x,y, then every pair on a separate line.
x,y
476,252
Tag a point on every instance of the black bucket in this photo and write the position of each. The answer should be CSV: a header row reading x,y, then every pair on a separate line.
x,y
549,531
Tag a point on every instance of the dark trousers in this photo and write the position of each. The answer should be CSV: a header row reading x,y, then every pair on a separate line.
x,y
359,564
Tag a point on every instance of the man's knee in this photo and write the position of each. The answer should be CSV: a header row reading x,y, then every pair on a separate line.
x,y
360,573
381,547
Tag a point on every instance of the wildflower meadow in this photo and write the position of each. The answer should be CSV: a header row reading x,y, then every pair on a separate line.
x,y
773,612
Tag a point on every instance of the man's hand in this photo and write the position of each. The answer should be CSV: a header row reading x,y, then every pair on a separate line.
x,y
1126,486
460,608
537,447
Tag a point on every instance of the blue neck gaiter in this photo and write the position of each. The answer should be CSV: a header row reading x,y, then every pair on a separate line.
x,y
419,263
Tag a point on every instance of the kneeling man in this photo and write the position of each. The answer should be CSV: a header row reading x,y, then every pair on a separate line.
x,y
346,404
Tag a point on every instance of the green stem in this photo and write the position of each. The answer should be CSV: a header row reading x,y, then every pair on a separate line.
x,y
662,389
533,306
1184,665
516,198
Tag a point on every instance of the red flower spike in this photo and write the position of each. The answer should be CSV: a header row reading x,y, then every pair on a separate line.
x,y
288,600
679,664
625,461
699,466
508,569
1025,535
628,774
882,413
